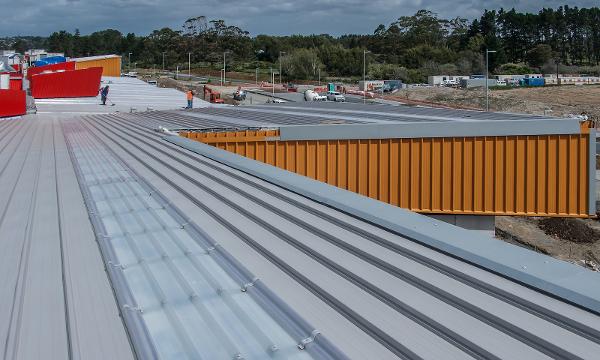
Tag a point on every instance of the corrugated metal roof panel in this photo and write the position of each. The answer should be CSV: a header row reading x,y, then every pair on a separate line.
x,y
376,291
175,280
55,299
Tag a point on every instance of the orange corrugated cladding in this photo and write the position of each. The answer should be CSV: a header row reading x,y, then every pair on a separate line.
x,y
110,66
496,175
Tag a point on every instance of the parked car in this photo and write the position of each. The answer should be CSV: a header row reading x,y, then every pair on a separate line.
x,y
335,96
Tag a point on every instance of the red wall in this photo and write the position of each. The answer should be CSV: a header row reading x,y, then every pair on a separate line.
x,y
12,103
76,83
69,65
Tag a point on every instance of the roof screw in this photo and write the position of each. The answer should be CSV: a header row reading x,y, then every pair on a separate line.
x,y
238,356
273,348
308,340
247,285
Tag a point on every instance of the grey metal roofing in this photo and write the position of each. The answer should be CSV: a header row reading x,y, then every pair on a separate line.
x,y
377,281
372,280
55,299
358,121
181,295
126,93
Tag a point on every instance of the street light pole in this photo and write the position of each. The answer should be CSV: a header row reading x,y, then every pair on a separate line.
x,y
280,53
487,87
224,68
365,75
130,62
256,76
319,76
190,66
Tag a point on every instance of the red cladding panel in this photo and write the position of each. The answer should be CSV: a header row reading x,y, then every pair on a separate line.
x,y
12,103
76,83
16,83
69,65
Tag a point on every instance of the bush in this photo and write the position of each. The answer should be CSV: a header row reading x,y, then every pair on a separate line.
x,y
513,69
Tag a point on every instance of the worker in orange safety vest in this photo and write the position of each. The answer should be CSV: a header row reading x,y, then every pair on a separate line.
x,y
190,99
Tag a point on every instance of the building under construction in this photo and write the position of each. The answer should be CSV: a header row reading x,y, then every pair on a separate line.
x,y
288,232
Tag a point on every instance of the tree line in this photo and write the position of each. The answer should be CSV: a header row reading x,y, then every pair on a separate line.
x,y
410,48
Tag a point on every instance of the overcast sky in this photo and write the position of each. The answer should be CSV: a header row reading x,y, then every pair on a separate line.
x,y
277,17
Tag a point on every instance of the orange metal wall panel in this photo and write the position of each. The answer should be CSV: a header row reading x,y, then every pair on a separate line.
x,y
542,175
110,66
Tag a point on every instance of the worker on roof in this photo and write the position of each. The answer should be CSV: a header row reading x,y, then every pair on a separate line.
x,y
104,94
190,99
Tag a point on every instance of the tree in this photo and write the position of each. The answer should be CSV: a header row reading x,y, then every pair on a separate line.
x,y
539,55
302,64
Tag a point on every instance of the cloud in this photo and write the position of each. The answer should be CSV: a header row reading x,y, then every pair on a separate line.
x,y
256,16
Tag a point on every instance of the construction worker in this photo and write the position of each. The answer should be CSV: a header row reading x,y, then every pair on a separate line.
x,y
104,94
190,99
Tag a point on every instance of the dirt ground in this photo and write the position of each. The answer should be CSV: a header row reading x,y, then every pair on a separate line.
x,y
573,240
561,100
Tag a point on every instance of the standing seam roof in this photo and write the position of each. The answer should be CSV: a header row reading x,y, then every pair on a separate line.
x,y
373,292
55,299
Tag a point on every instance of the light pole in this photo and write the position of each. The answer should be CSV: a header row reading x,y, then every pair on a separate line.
x,y
365,75
280,53
163,54
190,66
130,62
319,76
256,76
224,68
487,87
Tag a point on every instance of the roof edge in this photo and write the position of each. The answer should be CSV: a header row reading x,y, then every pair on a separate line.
x,y
557,278
431,129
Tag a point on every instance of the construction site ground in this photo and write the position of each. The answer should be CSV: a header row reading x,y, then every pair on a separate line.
x,y
561,100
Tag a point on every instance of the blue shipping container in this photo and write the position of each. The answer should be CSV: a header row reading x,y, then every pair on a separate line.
x,y
533,82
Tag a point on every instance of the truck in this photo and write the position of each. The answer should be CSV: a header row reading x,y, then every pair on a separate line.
x,y
310,95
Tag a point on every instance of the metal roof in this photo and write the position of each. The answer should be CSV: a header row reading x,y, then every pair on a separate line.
x,y
97,57
128,94
347,272
358,121
401,286
55,299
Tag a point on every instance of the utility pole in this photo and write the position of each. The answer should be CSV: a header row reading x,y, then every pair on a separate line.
x,y
280,53
163,54
557,61
487,88
319,76
190,66
365,75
